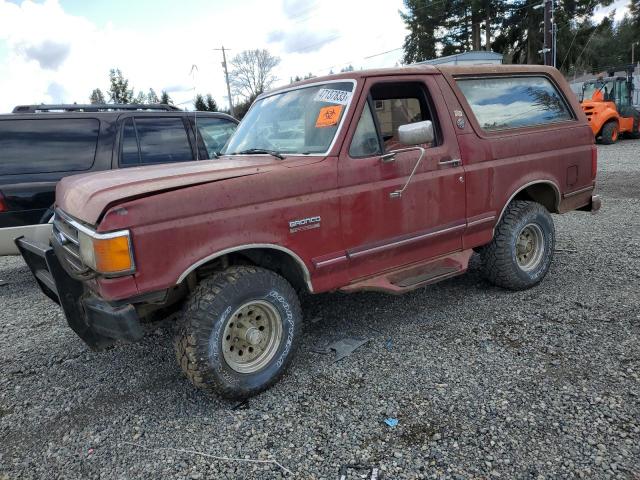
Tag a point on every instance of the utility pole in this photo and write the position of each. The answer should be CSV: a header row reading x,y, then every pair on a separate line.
x,y
548,33
554,33
226,75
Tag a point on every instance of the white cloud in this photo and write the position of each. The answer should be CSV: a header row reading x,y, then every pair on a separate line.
x,y
50,55
54,56
621,8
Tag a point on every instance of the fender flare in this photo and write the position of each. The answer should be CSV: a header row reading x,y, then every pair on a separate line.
x,y
611,117
553,184
251,246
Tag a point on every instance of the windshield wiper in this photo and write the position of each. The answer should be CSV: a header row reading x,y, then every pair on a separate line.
x,y
261,150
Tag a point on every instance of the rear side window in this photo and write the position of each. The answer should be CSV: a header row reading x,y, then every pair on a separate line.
x,y
47,145
130,151
513,102
149,140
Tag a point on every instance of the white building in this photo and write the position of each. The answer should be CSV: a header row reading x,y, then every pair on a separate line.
x,y
476,57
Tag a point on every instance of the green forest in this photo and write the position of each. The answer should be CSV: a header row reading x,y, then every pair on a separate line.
x,y
515,28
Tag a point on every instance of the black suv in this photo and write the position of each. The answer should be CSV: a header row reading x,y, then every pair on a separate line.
x,y
40,144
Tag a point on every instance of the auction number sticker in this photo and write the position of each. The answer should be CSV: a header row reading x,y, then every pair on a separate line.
x,y
333,96
328,116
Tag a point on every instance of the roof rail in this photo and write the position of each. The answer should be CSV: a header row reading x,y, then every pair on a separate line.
x,y
94,107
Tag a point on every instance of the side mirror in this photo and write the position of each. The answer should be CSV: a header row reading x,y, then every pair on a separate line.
x,y
416,133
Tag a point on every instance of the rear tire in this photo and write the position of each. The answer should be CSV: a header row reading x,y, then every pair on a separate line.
x,y
239,331
610,133
520,254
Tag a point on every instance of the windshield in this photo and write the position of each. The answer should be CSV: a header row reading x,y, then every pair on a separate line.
x,y
589,88
300,121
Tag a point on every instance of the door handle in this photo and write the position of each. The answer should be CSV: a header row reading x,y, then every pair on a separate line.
x,y
446,162
388,157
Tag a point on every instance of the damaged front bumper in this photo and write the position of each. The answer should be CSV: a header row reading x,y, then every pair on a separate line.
x,y
97,322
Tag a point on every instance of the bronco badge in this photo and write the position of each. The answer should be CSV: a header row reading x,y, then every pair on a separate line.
x,y
308,223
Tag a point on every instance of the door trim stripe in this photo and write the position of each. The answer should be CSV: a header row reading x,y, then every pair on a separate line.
x,y
577,192
363,251
329,262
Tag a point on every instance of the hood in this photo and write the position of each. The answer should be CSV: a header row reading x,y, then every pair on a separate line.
x,y
86,196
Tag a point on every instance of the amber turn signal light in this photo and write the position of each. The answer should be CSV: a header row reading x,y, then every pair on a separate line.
x,y
107,253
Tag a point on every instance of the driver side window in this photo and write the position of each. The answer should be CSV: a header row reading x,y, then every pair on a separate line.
x,y
365,141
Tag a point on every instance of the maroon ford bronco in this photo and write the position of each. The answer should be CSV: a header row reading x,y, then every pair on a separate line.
x,y
381,180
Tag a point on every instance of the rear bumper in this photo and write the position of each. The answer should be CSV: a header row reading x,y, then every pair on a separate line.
x,y
97,322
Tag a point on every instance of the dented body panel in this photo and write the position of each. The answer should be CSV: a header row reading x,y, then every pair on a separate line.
x,y
332,214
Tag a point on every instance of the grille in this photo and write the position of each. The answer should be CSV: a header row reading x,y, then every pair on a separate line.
x,y
65,235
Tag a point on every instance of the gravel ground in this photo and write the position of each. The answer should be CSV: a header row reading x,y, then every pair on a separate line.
x,y
485,383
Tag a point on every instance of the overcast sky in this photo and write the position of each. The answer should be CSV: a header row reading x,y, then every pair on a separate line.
x,y
55,51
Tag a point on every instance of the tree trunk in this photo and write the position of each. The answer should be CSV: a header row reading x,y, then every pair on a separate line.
x,y
475,35
487,32
532,38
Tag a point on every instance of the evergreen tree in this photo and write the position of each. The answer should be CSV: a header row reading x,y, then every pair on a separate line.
x,y
241,108
511,27
152,97
423,20
205,104
634,8
199,103
165,99
119,89
97,97
140,98
212,106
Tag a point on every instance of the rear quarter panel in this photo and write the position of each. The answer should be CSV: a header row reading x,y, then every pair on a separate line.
x,y
498,164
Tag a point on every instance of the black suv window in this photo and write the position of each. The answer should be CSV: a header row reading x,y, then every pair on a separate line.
x,y
47,145
130,151
214,133
149,140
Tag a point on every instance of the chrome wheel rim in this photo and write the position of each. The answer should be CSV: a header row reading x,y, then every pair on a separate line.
x,y
529,247
251,336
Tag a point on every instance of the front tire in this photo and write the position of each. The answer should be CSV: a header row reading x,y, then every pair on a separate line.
x,y
239,331
610,133
520,254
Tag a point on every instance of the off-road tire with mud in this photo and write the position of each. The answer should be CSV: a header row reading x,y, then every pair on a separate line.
x,y
504,260
206,330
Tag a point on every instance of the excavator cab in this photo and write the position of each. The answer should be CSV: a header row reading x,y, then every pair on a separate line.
x,y
607,102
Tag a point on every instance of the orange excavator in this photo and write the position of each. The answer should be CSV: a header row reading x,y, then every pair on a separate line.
x,y
607,102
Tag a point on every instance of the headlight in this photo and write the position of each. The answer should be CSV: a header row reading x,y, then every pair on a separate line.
x,y
107,253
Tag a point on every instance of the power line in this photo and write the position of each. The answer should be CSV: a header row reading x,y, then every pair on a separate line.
x,y
382,53
587,44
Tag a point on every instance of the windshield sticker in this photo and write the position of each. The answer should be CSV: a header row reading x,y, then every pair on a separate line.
x,y
328,116
333,96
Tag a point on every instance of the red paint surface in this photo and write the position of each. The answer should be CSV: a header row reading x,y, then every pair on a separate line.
x,y
179,214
